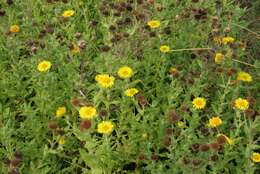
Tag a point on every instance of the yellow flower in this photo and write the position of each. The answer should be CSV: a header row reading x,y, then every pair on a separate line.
x,y
229,140
164,48
215,122
75,49
219,57
125,72
68,13
217,40
255,157
243,76
105,127
154,24
61,141
199,103
227,40
241,104
60,111
144,135
87,112
173,70
105,80
14,29
131,92
180,124
44,66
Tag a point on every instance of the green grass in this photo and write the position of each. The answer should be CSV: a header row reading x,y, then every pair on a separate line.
x,y
156,131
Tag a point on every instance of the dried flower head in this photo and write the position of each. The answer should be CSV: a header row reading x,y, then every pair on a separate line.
x,y
85,124
204,147
222,138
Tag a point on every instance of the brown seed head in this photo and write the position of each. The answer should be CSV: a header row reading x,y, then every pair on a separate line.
x,y
169,131
52,125
196,162
214,158
195,147
75,102
173,117
221,139
185,160
204,147
167,141
215,146
85,124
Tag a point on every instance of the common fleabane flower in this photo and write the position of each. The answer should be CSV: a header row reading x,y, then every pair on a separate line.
x,y
241,104
131,92
68,13
199,103
105,80
87,112
44,66
154,24
125,72
105,127
60,111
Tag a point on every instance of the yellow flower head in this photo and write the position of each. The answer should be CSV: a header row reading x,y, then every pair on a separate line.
x,y
125,72
44,66
217,40
87,112
68,13
154,24
199,103
173,70
180,124
164,48
60,111
215,122
219,57
131,92
14,29
75,49
61,141
105,80
243,76
227,40
144,135
241,104
229,140
105,127
255,157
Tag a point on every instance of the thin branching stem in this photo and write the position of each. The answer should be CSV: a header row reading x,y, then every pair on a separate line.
x,y
190,49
